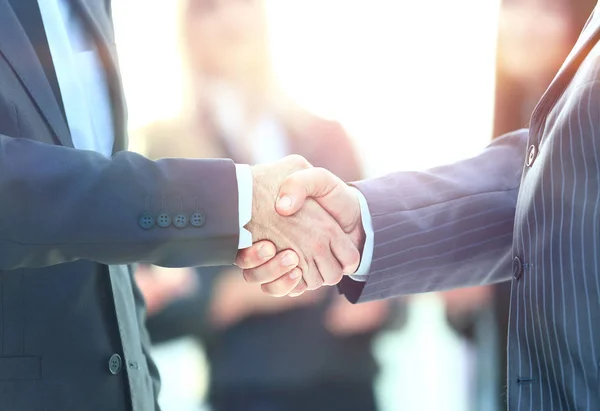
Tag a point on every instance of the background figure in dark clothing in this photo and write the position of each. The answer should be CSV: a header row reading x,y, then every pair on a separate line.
x,y
535,37
307,353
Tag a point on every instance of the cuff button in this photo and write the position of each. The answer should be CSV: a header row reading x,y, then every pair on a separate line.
x,y
163,220
146,221
180,221
198,219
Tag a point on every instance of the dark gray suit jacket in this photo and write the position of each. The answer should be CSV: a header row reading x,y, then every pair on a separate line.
x,y
527,208
71,333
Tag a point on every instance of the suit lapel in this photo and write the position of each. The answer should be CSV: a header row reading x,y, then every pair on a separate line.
x,y
19,53
93,14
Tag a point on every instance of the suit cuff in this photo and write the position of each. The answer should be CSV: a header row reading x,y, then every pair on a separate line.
x,y
243,173
367,253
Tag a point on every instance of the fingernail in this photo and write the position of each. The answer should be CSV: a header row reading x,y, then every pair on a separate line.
x,y
265,251
295,274
289,259
284,202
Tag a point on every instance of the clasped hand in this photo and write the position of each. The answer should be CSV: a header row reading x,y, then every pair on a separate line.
x,y
306,227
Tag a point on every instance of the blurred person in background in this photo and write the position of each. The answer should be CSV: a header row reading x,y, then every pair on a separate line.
x,y
306,353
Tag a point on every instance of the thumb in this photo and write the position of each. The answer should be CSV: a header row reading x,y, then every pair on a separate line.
x,y
321,185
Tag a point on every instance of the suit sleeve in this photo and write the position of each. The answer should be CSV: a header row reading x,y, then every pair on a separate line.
x,y
58,204
444,228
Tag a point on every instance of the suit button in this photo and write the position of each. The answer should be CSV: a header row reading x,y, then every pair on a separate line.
x,y
517,268
147,221
163,220
180,221
198,219
531,154
115,364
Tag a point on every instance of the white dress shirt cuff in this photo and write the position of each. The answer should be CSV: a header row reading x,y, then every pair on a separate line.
x,y
367,253
243,173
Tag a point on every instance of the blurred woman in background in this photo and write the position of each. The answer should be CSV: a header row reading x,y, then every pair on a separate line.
x,y
265,354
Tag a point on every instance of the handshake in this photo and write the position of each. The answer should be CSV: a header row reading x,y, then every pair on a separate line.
x,y
306,227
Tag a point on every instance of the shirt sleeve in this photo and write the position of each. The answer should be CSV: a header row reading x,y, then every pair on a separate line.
x,y
244,181
367,253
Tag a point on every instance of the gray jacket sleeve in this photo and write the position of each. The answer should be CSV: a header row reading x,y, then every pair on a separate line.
x,y
444,228
58,204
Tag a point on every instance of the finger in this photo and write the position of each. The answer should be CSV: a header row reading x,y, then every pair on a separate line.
x,y
310,272
299,290
284,284
313,182
273,269
346,253
327,189
330,270
256,255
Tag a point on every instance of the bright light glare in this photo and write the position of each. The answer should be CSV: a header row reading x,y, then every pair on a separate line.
x,y
411,80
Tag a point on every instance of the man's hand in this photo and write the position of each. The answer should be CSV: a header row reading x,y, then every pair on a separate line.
x,y
333,195
314,250
329,191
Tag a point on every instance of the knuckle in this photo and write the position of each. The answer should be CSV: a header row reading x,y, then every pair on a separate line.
x,y
316,283
321,248
300,288
249,276
274,289
290,182
321,172
334,279
298,161
247,260
325,176
353,262
333,231
240,260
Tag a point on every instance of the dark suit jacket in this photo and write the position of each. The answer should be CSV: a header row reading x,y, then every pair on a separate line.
x,y
527,208
71,333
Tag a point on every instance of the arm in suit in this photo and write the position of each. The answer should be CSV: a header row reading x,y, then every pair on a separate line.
x,y
60,204
444,228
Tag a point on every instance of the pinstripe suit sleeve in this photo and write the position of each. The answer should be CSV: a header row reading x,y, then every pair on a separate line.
x,y
444,228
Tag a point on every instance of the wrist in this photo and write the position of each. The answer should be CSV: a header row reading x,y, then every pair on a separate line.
x,y
357,233
363,236
259,193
